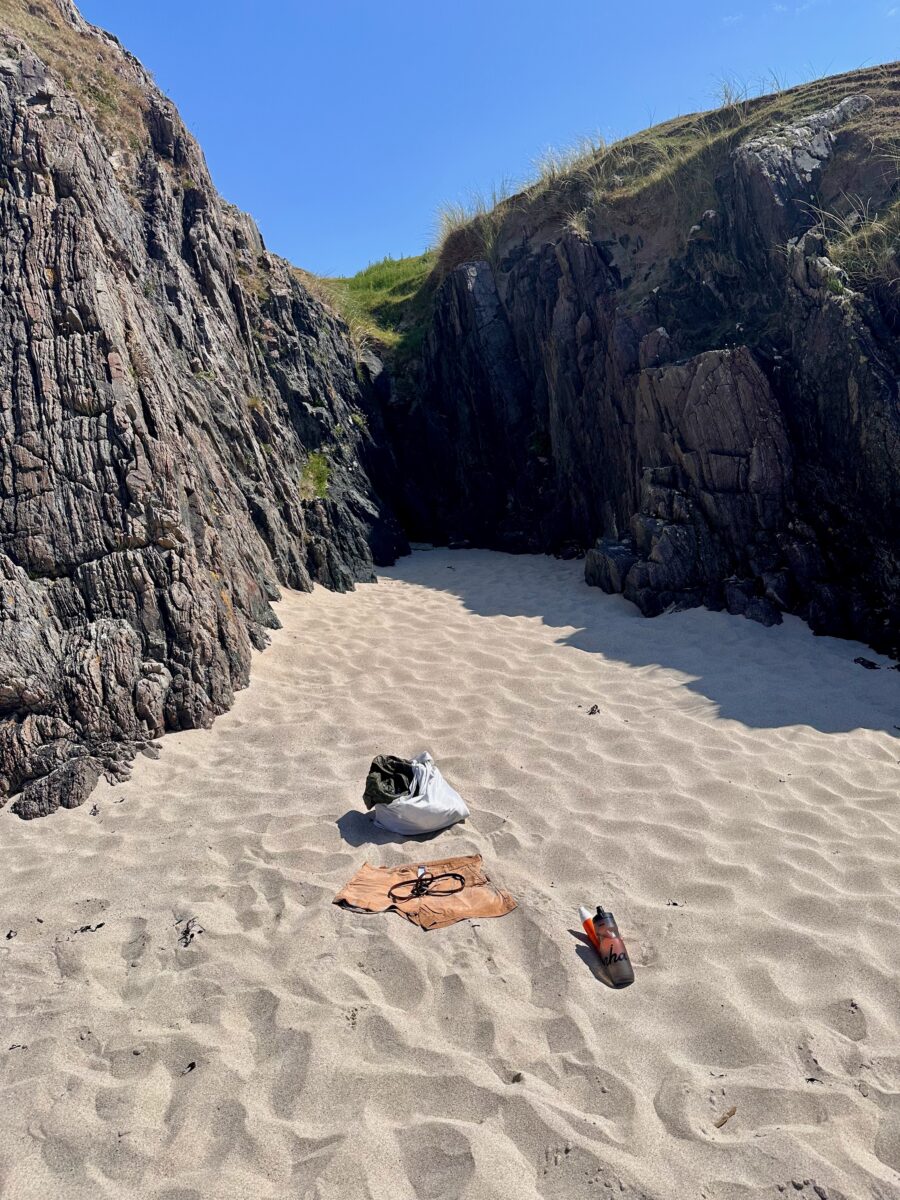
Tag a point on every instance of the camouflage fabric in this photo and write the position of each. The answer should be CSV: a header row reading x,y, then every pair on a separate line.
x,y
388,778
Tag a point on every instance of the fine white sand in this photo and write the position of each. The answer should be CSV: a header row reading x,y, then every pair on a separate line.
x,y
734,801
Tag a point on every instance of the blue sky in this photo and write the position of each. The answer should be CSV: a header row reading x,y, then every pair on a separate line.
x,y
342,125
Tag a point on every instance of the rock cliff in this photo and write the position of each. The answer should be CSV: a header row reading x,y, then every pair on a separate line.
x,y
678,356
653,358
182,425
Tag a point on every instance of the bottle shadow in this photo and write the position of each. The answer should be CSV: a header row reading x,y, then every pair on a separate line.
x,y
591,959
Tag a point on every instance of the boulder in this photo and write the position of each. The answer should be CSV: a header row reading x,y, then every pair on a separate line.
x,y
607,564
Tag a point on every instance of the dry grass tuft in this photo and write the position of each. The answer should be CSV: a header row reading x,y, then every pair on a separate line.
x,y
95,71
864,242
682,157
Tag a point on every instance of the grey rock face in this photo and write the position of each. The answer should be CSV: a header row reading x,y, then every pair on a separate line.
x,y
776,175
713,416
715,467
66,787
163,384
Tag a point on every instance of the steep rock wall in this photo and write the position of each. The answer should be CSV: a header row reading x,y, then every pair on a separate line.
x,y
713,403
171,400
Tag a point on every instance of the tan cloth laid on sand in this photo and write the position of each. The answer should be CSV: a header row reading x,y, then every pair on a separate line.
x,y
368,891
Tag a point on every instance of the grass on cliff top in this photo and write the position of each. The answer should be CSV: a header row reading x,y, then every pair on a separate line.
x,y
668,169
674,164
96,72
386,305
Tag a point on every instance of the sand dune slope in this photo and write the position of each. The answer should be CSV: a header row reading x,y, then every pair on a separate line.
x,y
734,799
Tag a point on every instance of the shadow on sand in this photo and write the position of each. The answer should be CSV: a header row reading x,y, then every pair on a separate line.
x,y
589,957
358,829
764,678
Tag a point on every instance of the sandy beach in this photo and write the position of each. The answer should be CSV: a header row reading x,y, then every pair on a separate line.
x,y
733,799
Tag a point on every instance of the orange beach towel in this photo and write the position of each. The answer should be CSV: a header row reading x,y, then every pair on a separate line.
x,y
368,891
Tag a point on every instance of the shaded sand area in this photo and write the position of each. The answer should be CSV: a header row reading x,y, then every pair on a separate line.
x,y
734,801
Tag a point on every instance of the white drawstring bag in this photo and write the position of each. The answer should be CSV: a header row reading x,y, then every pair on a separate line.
x,y
429,805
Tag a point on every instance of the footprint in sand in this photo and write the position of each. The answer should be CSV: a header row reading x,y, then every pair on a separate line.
x,y
847,1018
887,1140
439,1161
286,1091
569,1171
590,1089
473,1028
133,949
310,1158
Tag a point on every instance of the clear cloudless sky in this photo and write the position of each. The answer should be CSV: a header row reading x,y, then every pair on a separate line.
x,y
342,125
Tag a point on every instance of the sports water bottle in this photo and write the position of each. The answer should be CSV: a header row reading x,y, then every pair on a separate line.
x,y
603,934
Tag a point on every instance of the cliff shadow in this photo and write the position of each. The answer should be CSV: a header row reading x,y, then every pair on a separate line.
x,y
764,678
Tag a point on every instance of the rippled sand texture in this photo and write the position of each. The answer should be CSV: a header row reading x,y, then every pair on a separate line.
x,y
734,801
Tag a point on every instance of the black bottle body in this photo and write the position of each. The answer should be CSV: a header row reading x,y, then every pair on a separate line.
x,y
612,950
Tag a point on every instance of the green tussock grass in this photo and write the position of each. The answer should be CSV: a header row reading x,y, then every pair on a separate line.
x,y
870,254
385,305
314,477
864,241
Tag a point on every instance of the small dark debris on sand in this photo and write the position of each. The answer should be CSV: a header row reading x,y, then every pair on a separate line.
x,y
11,934
593,710
192,1066
192,928
720,1121
89,928
799,1184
